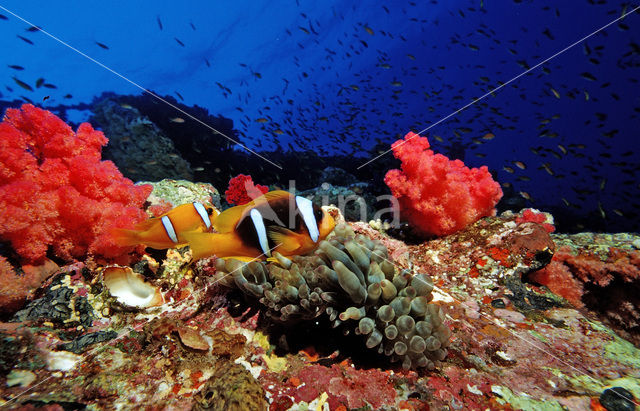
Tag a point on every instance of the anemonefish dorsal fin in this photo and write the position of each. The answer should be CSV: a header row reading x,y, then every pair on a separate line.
x,y
286,240
261,230
306,209
227,220
147,224
272,195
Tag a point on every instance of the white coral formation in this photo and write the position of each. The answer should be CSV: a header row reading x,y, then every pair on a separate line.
x,y
350,279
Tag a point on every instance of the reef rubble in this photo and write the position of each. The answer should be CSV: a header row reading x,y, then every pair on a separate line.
x,y
514,344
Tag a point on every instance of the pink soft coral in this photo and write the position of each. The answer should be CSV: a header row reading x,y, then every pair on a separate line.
x,y
439,196
55,192
242,190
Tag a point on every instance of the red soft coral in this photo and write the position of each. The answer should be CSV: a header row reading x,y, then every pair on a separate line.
x,y
439,196
55,192
242,190
531,215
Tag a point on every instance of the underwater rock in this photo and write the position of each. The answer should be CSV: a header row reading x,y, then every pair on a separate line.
x,y
178,192
60,304
136,145
600,272
337,176
233,388
16,289
81,343
355,207
351,280
617,399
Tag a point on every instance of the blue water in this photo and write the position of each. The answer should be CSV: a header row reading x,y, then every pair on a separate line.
x,y
337,77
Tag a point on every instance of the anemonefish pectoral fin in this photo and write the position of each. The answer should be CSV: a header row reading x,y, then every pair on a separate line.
x,y
286,240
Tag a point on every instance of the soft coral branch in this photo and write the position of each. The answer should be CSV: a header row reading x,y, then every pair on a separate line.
x,y
55,192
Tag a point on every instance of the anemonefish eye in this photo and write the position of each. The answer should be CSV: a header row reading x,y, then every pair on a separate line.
x,y
306,209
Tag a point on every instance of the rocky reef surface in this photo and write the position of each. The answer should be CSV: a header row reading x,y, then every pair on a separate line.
x,y
513,344
168,333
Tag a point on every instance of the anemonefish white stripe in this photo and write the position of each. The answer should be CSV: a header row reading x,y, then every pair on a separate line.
x,y
203,214
168,227
258,223
306,209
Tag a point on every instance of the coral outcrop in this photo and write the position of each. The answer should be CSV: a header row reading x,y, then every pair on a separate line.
x,y
350,279
55,192
439,196
140,149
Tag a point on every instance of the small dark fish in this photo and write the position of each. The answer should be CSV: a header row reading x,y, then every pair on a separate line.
x,y
192,26
45,98
22,84
179,95
3,17
178,41
104,46
25,39
48,85
368,29
27,99
207,62
39,82
588,76
159,22
68,96
33,29
19,68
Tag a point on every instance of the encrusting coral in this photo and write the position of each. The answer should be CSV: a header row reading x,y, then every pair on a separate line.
x,y
350,279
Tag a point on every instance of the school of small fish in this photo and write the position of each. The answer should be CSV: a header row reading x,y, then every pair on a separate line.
x,y
351,80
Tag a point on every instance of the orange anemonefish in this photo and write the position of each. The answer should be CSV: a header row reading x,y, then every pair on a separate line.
x,y
275,221
166,231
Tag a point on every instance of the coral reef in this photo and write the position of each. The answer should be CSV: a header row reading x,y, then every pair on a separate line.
x,y
531,215
242,190
56,193
16,288
355,204
350,279
514,345
439,196
599,272
136,145
168,194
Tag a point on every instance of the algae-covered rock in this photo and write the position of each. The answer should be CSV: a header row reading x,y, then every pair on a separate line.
x,y
231,388
179,192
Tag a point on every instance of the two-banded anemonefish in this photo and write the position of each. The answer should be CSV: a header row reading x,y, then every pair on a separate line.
x,y
166,231
276,221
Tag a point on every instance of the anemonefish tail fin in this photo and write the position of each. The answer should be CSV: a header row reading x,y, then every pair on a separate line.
x,y
287,241
124,237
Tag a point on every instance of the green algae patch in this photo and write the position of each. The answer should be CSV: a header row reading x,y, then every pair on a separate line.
x,y
523,401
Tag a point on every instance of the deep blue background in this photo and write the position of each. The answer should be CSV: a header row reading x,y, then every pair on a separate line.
x,y
340,76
